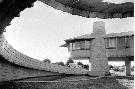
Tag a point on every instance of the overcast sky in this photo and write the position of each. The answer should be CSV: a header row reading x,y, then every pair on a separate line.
x,y
40,30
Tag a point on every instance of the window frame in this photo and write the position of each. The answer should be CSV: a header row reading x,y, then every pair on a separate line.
x,y
82,45
107,43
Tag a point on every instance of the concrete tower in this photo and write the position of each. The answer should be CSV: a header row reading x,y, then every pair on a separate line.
x,y
98,60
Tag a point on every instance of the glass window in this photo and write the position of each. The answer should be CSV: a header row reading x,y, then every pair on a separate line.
x,y
111,43
77,45
130,42
87,44
73,46
82,44
121,43
70,46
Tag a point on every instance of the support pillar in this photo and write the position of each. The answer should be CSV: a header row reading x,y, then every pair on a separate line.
x,y
127,64
99,60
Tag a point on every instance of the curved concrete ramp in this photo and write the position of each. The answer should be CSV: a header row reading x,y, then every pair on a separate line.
x,y
15,65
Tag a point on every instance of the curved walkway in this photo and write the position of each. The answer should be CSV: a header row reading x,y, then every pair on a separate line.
x,y
13,56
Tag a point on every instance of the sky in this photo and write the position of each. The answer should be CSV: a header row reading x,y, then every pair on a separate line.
x,y
118,1
40,30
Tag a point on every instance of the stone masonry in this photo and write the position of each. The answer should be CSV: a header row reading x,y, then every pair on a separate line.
x,y
15,65
98,60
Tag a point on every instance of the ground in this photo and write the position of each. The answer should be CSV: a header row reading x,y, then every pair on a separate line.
x,y
72,82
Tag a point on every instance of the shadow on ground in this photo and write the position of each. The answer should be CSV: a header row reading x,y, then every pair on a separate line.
x,y
73,82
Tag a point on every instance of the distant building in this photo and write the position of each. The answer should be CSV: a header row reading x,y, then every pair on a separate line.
x,y
99,48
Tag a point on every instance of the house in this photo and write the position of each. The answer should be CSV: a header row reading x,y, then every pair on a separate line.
x,y
99,48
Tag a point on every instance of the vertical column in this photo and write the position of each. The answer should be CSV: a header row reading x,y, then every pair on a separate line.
x,y
127,64
125,41
89,65
116,42
99,60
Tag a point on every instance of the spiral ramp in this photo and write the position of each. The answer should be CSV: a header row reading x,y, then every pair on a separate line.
x,y
15,65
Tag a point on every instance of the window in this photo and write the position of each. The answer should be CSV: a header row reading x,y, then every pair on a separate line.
x,y
129,42
70,46
111,43
73,46
77,45
121,42
82,44
87,44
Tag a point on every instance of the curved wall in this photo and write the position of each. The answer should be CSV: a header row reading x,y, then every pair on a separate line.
x,y
12,8
12,62
93,10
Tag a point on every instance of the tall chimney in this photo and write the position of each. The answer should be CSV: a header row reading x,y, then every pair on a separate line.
x,y
98,59
99,28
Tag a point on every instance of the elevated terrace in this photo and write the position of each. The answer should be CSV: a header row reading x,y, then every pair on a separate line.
x,y
15,65
114,46
103,9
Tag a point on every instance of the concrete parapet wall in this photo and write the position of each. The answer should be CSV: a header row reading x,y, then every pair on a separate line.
x,y
120,53
16,58
10,71
74,11
99,60
81,53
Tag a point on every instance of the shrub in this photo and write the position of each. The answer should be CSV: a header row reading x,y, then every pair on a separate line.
x,y
47,60
60,63
86,66
69,61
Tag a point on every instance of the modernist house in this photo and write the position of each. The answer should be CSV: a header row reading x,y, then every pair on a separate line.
x,y
99,48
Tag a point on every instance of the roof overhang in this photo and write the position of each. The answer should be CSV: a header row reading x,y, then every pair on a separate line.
x,y
85,8
103,9
122,34
64,45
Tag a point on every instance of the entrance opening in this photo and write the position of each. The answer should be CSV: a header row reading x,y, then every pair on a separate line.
x,y
84,63
119,68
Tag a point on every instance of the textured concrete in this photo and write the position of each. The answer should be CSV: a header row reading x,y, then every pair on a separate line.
x,y
120,52
80,53
128,65
72,9
100,51
99,60
12,8
92,9
10,71
15,65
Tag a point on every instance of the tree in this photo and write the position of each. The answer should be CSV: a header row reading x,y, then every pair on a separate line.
x,y
80,63
132,68
86,66
110,66
47,60
69,61
116,68
60,63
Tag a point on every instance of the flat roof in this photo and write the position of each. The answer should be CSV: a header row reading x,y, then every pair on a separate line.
x,y
91,36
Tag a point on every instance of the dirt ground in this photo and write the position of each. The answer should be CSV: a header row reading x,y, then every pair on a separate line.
x,y
73,82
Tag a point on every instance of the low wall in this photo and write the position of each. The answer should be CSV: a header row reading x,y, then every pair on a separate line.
x,y
10,71
15,65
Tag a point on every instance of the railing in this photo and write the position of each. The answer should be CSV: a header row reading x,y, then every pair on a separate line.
x,y
120,52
